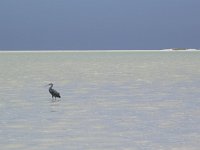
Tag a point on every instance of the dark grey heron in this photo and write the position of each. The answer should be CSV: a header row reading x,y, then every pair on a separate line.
x,y
53,92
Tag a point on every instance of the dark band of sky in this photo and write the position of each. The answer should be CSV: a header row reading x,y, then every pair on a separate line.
x,y
99,24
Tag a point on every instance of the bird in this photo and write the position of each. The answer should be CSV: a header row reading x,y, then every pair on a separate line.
x,y
53,92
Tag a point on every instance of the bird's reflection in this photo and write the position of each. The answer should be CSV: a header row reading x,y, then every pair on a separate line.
x,y
54,105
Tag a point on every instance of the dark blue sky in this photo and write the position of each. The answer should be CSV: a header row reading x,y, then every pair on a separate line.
x,y
99,24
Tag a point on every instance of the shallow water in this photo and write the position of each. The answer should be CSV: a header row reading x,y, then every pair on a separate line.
x,y
110,100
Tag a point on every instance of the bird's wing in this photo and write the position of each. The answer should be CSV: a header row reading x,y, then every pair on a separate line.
x,y
54,92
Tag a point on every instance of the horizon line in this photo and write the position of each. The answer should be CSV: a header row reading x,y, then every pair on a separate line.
x,y
51,51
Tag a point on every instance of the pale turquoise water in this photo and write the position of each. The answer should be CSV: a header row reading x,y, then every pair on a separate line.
x,y
110,101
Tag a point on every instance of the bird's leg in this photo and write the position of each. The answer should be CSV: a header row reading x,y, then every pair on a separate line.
x,y
52,98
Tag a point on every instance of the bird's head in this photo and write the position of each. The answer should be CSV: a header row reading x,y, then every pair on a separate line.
x,y
50,84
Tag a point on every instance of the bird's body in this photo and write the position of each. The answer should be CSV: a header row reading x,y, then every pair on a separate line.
x,y
53,92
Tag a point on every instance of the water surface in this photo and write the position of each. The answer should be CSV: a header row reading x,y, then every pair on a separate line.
x,y
110,100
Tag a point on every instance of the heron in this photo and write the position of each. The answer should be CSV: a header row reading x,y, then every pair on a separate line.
x,y
53,92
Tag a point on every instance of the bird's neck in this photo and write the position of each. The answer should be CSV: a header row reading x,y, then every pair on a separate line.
x,y
51,86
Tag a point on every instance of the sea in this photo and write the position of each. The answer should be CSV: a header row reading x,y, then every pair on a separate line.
x,y
110,100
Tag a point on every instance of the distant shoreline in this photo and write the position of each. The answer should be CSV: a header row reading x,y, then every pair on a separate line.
x,y
85,51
